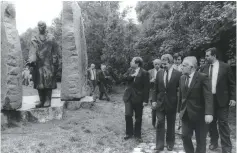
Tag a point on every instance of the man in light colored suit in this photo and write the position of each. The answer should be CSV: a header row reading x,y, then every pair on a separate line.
x,y
152,76
91,73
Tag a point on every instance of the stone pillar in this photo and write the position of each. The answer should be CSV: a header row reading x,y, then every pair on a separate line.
x,y
74,54
11,59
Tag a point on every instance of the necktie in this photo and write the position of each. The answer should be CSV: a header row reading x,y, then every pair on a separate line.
x,y
211,69
187,82
167,78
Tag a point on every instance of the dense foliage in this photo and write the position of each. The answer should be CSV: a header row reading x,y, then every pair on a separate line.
x,y
182,27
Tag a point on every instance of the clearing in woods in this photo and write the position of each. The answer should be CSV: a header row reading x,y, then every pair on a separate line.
x,y
97,130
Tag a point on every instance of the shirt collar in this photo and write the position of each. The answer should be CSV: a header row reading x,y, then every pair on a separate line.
x,y
215,63
191,75
137,69
171,69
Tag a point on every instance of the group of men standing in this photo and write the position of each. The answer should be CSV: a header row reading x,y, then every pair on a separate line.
x,y
200,96
102,78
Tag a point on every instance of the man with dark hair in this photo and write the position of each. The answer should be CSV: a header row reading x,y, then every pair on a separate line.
x,y
195,105
201,64
43,61
177,62
135,97
152,76
224,96
164,100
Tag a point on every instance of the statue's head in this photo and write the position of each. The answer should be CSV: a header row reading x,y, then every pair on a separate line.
x,y
42,27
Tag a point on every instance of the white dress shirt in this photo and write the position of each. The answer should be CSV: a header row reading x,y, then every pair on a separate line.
x,y
214,76
93,74
190,78
169,76
155,72
136,72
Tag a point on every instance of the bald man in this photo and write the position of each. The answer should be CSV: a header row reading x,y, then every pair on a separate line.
x,y
152,76
92,77
195,105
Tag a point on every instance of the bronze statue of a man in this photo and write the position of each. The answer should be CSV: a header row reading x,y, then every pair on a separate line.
x,y
43,61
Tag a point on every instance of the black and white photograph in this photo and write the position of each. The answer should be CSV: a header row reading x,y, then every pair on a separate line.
x,y
118,76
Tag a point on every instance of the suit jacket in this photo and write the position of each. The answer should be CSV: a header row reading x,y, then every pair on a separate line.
x,y
137,90
225,87
197,100
200,68
151,76
102,80
166,97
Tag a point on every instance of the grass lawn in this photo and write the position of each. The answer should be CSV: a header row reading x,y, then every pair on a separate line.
x,y
97,130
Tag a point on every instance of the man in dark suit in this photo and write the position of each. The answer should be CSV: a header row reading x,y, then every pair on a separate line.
x,y
164,100
135,97
103,77
152,76
223,90
195,105
92,76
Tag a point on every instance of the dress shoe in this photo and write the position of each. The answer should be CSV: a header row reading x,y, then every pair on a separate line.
x,y
169,148
158,150
40,105
213,146
127,137
47,104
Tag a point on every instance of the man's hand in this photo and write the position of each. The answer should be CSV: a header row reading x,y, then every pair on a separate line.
x,y
145,104
232,103
208,119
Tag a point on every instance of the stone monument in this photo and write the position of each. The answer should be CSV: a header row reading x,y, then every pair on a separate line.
x,y
11,59
74,54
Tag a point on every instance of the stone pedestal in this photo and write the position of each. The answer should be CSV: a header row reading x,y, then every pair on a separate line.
x,y
28,112
86,102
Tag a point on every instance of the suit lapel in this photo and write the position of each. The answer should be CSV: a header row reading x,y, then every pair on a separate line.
x,y
219,72
162,78
138,75
192,83
171,77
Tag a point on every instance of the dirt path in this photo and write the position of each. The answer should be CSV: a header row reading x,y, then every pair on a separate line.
x,y
99,130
